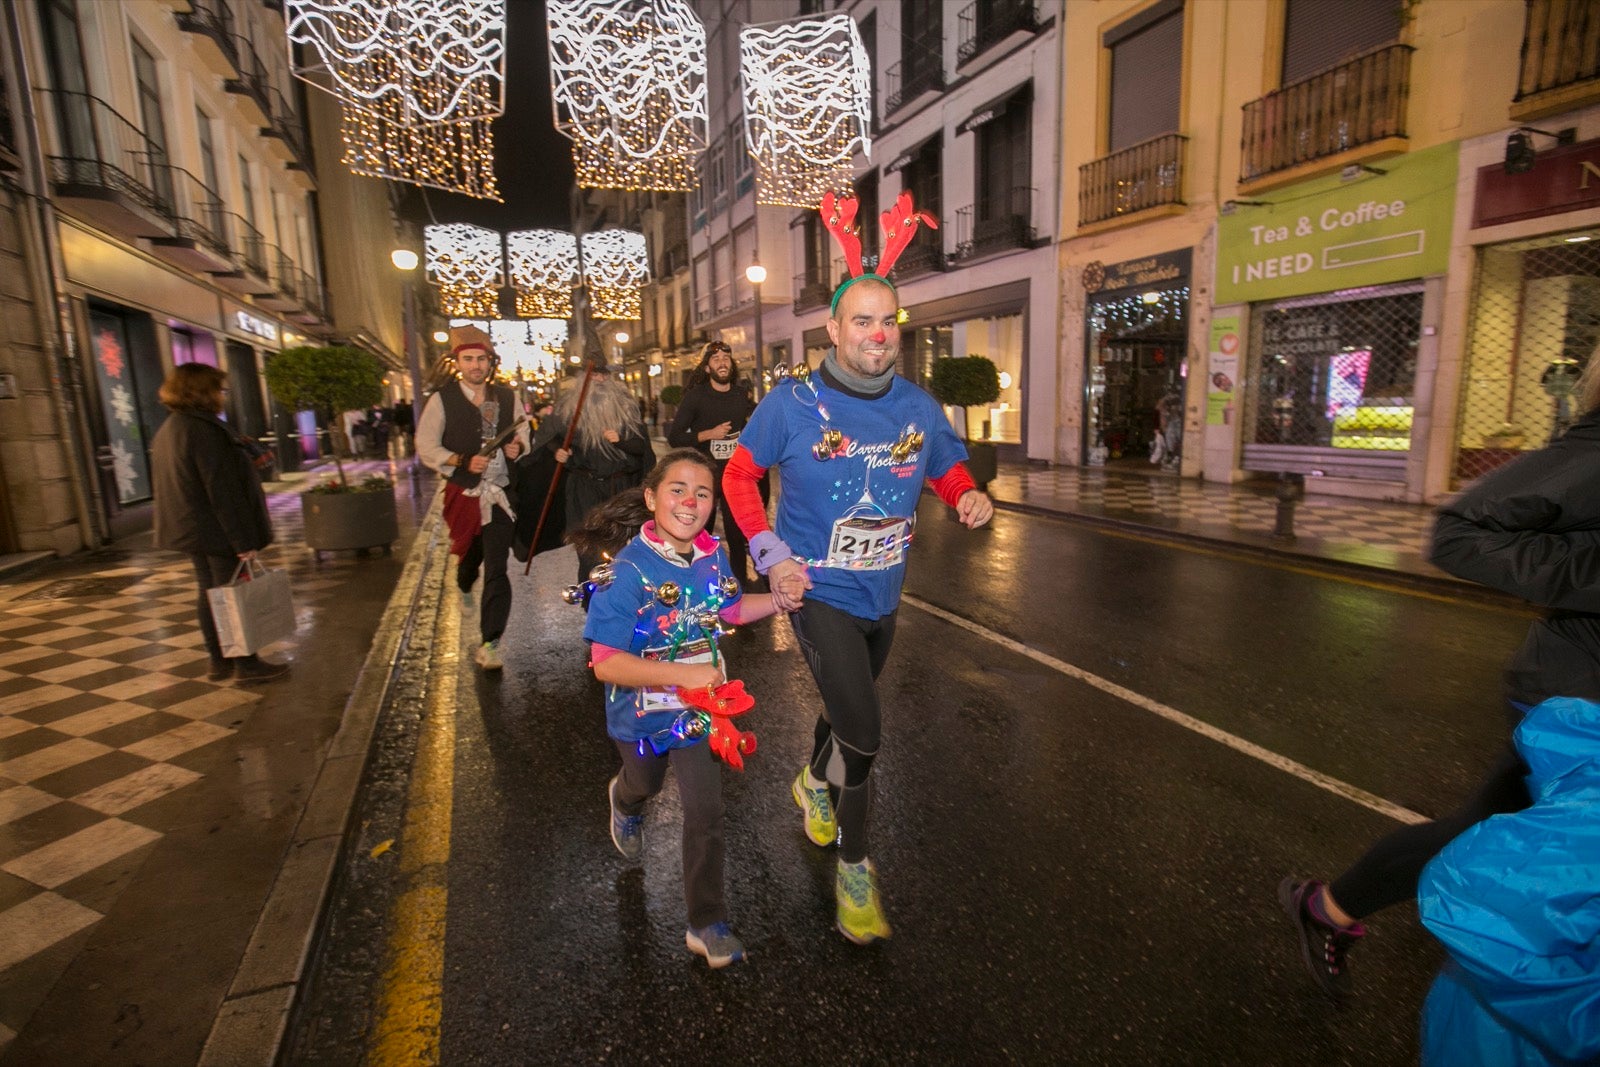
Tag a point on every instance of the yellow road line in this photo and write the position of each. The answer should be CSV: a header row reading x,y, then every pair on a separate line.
x,y
411,997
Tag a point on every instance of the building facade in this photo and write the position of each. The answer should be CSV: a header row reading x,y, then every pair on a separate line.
x,y
1339,254
159,204
965,116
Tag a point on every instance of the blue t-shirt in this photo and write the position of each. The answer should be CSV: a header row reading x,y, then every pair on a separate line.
x,y
842,516
629,614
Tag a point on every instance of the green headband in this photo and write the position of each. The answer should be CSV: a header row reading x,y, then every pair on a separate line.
x,y
833,308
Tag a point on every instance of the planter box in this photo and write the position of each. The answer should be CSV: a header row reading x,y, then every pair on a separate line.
x,y
335,521
982,461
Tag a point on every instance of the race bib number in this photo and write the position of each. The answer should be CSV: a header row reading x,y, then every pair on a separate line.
x,y
868,544
665,698
722,450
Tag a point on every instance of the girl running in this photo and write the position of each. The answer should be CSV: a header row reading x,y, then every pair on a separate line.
x,y
653,626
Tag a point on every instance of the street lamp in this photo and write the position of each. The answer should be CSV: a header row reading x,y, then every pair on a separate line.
x,y
755,274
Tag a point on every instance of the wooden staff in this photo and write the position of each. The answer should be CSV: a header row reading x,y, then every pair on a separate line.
x,y
555,479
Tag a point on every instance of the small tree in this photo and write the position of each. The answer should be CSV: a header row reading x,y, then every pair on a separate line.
x,y
671,395
326,379
963,382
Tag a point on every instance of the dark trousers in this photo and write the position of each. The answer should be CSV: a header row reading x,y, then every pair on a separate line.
x,y
1388,872
491,550
846,654
211,572
700,795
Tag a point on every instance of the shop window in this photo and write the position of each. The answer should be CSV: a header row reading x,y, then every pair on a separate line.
x,y
1136,345
1146,86
1334,371
127,374
1535,321
998,339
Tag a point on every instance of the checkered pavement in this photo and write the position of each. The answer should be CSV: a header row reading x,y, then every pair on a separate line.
x,y
1395,534
104,711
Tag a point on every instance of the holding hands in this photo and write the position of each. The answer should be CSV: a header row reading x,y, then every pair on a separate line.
x,y
789,582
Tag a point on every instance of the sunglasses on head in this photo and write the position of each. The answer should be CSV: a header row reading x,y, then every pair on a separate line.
x,y
717,346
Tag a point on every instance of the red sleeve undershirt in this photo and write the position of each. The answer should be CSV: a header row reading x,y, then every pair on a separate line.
x,y
739,480
952,483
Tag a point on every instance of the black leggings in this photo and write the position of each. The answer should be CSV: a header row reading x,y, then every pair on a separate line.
x,y
846,655
489,551
1387,873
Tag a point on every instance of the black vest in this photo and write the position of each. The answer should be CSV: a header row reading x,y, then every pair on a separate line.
x,y
463,425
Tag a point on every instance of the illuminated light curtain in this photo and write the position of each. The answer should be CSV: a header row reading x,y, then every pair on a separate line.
x,y
550,337
410,62
517,354
616,267
465,263
807,106
418,82
544,270
456,157
628,85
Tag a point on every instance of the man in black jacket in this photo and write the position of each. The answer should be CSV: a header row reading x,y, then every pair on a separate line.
x,y
456,423
713,412
1532,529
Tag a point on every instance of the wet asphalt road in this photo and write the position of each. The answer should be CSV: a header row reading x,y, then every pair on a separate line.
x,y
1071,878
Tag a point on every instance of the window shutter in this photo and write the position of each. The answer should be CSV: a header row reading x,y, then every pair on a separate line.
x,y
1147,82
1319,34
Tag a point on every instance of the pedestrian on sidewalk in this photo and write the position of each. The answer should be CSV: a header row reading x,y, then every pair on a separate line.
x,y
1532,529
714,410
652,632
854,444
209,502
455,424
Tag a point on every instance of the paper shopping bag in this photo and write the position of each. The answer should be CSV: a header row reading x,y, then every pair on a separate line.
x,y
252,611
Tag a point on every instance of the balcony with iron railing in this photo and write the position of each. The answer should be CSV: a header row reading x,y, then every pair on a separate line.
x,y
313,301
199,239
1560,67
254,84
247,272
1352,111
106,169
1003,224
211,21
924,255
285,292
811,291
1142,177
985,23
920,70
287,130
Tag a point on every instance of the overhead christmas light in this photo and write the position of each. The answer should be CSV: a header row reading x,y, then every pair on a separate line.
x,y
456,157
616,266
544,270
464,261
549,336
410,62
628,86
807,106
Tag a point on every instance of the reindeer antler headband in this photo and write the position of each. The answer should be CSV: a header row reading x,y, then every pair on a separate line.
x,y
899,225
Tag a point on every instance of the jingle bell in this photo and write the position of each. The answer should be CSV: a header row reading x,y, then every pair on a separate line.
x,y
602,574
572,594
668,593
801,372
779,373
728,587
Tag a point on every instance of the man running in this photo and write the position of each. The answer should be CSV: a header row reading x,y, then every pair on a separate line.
x,y
713,412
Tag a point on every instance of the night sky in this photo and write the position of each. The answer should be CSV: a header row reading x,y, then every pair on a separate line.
x,y
533,162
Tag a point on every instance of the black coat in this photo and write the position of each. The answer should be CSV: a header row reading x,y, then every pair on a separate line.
x,y
208,499
1532,528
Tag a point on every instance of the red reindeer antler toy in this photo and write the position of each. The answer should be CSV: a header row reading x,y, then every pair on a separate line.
x,y
839,217
727,741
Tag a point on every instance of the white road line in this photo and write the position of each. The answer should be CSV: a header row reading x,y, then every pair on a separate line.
x,y
1173,715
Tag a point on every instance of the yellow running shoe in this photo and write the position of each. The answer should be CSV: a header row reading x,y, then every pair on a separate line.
x,y
821,826
860,916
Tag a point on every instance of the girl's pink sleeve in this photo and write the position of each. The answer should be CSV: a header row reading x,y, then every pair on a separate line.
x,y
599,653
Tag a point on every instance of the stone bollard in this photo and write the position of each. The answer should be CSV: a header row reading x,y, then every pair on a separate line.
x,y
1288,494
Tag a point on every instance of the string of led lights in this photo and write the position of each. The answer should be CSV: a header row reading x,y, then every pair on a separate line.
x,y
456,157
543,265
464,261
807,106
616,266
628,87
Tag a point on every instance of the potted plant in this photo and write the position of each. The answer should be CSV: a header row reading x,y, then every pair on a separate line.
x,y
963,382
669,398
329,379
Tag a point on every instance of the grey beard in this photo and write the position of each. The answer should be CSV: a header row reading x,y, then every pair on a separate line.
x,y
608,406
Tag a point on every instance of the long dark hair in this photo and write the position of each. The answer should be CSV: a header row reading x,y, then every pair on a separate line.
x,y
701,375
610,526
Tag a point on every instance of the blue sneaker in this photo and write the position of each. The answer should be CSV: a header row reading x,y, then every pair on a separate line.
x,y
627,831
716,943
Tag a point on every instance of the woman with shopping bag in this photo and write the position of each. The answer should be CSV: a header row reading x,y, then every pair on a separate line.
x,y
209,503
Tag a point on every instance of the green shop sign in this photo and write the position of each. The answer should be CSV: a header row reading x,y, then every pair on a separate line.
x,y
1330,233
